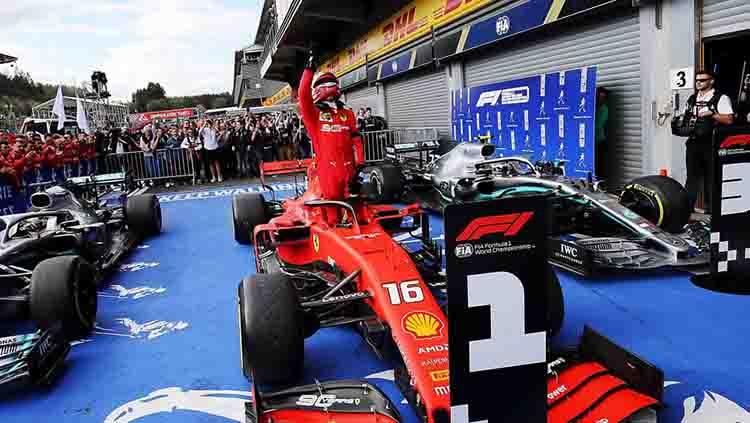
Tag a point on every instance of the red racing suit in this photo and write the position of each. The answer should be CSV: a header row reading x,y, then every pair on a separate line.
x,y
336,143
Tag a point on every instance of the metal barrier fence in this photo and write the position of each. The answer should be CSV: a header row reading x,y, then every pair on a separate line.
x,y
375,142
173,163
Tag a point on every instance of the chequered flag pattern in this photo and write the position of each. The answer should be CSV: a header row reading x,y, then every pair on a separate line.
x,y
731,255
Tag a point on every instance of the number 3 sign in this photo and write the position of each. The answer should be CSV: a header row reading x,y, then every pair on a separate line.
x,y
681,79
496,267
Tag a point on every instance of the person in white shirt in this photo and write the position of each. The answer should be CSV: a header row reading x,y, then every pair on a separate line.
x,y
709,109
208,135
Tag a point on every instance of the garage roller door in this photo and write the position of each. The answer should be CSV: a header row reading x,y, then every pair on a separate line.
x,y
725,16
613,46
364,97
419,101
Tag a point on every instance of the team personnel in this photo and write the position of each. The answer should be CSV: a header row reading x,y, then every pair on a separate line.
x,y
709,108
336,141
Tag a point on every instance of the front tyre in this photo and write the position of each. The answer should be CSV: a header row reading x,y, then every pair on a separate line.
x,y
386,183
272,329
63,291
143,215
659,199
248,211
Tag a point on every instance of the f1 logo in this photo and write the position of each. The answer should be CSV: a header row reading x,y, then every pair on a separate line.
x,y
568,250
508,224
735,189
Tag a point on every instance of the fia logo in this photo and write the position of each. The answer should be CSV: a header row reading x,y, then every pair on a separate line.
x,y
502,26
464,250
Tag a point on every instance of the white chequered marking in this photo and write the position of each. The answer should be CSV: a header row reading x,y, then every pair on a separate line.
x,y
732,255
747,253
715,237
723,246
722,266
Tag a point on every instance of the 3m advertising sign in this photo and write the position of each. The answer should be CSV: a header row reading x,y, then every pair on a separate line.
x,y
408,24
544,117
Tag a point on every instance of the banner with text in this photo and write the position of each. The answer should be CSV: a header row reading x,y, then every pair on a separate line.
x,y
544,117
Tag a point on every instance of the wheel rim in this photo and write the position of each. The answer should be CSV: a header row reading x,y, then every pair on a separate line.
x,y
641,204
377,183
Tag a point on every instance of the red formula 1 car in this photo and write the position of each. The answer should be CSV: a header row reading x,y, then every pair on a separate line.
x,y
336,263
328,263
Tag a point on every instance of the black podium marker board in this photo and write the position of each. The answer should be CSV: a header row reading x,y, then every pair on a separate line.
x,y
496,254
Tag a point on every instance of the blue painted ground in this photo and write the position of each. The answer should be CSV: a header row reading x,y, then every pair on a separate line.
x,y
167,338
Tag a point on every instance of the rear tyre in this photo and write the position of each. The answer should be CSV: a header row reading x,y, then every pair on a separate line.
x,y
143,215
248,211
660,199
63,292
387,185
555,303
272,329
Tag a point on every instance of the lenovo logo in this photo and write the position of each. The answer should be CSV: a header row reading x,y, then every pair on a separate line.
x,y
508,224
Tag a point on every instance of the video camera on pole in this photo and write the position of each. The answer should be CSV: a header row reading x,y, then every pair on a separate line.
x,y
99,84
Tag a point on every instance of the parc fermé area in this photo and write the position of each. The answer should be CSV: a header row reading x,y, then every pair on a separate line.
x,y
165,347
573,172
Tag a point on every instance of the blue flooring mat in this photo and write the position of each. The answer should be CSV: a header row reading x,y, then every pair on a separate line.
x,y
167,350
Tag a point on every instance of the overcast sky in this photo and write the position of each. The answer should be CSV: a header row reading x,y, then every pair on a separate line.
x,y
186,45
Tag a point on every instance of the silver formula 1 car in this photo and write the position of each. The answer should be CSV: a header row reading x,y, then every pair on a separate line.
x,y
642,226
53,257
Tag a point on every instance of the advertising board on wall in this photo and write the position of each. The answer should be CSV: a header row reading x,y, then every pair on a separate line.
x,y
411,22
544,117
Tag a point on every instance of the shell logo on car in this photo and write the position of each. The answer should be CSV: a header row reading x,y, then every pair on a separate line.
x,y
422,325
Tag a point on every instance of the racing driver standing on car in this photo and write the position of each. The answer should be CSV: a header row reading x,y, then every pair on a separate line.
x,y
337,144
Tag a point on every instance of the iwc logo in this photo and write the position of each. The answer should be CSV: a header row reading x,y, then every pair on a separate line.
x,y
502,26
464,250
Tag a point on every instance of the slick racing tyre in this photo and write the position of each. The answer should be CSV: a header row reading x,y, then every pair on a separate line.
x,y
63,292
272,329
248,211
660,199
386,181
143,215
555,303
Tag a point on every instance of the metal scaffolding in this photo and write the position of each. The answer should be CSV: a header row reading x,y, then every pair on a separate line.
x,y
100,113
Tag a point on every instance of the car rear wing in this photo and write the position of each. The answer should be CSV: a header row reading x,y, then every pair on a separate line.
x,y
393,151
284,167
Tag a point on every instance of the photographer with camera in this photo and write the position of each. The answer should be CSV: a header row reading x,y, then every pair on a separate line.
x,y
705,110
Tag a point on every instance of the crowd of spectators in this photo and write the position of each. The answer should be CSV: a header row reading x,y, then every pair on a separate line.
x,y
31,158
222,148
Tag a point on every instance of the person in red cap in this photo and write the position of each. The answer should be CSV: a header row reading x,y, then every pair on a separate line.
x,y
337,144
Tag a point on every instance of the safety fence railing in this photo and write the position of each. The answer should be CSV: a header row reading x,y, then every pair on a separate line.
x,y
169,164
375,142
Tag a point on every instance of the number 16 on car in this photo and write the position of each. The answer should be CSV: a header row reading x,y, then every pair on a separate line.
x,y
497,268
